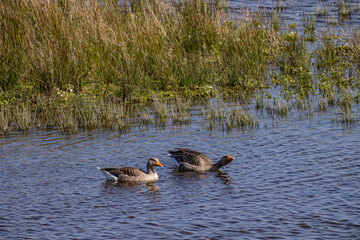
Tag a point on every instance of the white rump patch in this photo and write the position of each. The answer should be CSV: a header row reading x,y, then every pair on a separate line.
x,y
108,175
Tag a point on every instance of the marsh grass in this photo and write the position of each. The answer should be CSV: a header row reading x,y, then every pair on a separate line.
x,y
79,65
322,104
175,111
69,117
180,112
220,115
161,111
278,108
344,9
131,49
4,121
321,10
15,118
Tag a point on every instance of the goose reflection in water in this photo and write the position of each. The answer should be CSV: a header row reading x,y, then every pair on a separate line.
x,y
150,186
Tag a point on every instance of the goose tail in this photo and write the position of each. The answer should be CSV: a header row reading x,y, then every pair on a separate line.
x,y
108,175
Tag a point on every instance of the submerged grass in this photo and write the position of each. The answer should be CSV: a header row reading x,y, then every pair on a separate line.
x,y
67,117
226,117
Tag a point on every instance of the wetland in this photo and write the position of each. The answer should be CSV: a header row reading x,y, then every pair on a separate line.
x,y
274,84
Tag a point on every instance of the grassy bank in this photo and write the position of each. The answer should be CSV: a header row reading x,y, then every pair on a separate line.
x,y
125,50
77,65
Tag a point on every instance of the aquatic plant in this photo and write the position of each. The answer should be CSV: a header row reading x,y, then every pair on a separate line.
x,y
160,111
180,111
343,9
227,117
321,10
279,107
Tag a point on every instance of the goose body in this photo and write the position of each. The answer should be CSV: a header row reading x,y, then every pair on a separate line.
x,y
132,174
189,160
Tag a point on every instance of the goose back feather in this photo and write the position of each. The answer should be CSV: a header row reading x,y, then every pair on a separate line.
x,y
132,174
190,160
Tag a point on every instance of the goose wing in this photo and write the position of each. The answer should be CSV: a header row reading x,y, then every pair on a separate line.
x,y
124,171
190,157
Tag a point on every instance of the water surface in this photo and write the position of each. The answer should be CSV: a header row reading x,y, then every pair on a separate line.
x,y
293,178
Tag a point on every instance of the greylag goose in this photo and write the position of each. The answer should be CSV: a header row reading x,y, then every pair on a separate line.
x,y
132,174
189,160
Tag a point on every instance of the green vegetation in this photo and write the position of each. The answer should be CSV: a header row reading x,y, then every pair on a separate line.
x,y
221,115
81,65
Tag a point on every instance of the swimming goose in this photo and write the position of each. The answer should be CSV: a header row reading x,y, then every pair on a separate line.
x,y
189,160
132,174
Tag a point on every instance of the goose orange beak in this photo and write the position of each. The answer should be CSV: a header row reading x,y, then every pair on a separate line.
x,y
159,164
230,158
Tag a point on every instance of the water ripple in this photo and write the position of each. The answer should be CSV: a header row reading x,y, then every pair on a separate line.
x,y
287,182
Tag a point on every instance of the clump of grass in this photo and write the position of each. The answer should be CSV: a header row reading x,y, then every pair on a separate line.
x,y
333,64
144,117
4,121
68,116
160,111
344,9
15,118
355,49
65,120
293,62
227,118
180,112
279,107
89,115
309,28
321,10
176,110
345,104
322,104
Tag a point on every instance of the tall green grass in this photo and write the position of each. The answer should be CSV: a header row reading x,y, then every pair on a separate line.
x,y
76,64
148,45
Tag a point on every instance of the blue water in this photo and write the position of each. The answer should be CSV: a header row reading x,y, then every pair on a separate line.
x,y
293,11
293,178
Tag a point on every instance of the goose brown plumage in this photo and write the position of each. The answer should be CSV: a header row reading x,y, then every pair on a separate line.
x,y
132,174
189,160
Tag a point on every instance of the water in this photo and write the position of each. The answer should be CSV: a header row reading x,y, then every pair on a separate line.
x,y
293,178
294,12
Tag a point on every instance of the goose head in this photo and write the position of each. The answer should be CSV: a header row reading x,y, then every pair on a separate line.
x,y
154,162
225,160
